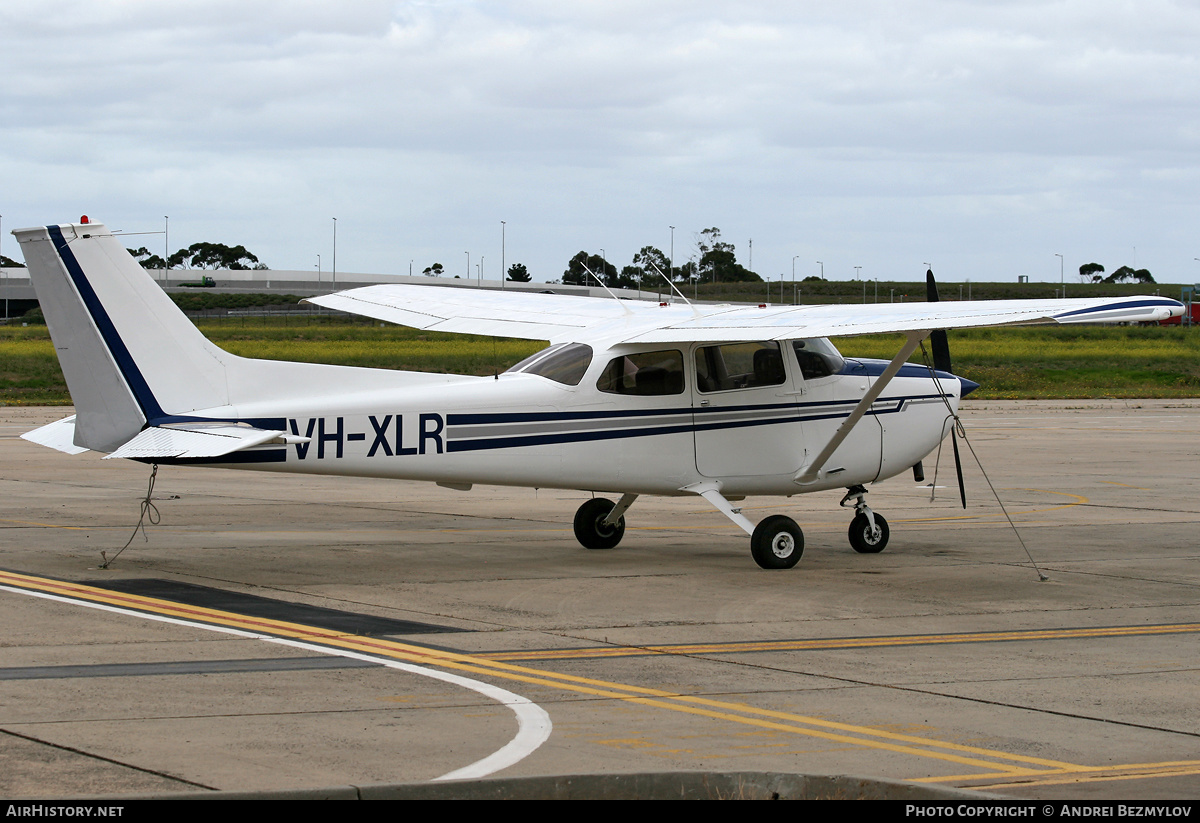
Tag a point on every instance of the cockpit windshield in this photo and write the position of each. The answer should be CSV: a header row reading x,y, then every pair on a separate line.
x,y
817,357
563,363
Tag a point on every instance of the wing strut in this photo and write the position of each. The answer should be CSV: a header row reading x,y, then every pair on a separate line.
x,y
810,473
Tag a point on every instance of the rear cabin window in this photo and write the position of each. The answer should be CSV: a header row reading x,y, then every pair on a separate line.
x,y
644,374
563,363
739,366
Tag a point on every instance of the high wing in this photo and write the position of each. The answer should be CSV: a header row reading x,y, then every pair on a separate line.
x,y
560,318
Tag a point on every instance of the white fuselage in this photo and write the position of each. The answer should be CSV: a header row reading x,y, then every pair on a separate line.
x,y
524,429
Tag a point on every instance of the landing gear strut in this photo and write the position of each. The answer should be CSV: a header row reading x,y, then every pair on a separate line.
x,y
869,532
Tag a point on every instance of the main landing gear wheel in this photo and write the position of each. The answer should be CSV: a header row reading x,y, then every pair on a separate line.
x,y
590,529
863,539
777,543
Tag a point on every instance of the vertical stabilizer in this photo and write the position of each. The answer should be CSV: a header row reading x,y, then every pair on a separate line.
x,y
128,354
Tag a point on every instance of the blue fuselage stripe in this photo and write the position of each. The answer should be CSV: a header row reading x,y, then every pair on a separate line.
x,y
659,421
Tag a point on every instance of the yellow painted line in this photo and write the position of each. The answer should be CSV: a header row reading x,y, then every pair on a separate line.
x,y
850,642
1077,499
53,526
1135,771
1125,485
844,733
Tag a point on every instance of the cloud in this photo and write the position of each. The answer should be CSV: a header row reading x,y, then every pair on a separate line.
x,y
871,131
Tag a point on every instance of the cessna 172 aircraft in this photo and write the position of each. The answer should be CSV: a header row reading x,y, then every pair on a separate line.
x,y
630,398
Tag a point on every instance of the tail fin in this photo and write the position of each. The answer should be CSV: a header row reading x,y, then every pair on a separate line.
x,y
117,335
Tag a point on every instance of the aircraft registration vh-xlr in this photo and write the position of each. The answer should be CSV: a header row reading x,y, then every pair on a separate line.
x,y
630,398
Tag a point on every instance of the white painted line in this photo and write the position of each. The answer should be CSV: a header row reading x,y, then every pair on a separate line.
x,y
533,723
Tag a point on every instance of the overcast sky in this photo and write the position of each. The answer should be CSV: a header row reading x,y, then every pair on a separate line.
x,y
980,137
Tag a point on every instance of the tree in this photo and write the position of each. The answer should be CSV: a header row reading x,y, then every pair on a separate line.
x,y
435,270
9,263
214,256
148,260
577,271
1090,272
517,273
647,264
718,263
1127,273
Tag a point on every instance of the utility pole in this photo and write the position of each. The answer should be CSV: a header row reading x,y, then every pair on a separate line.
x,y
335,254
503,271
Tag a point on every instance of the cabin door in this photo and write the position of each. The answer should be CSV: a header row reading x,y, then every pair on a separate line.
x,y
744,411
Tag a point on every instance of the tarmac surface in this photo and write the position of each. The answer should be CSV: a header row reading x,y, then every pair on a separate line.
x,y
280,632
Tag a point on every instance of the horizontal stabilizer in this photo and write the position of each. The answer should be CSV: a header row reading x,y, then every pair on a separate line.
x,y
197,441
57,435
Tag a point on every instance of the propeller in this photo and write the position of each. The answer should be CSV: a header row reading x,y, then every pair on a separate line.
x,y
941,362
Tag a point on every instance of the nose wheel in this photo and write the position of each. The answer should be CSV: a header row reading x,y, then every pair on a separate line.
x,y
869,531
867,540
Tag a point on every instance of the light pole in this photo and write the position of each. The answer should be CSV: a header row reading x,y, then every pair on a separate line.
x,y
334,276
468,254
671,261
822,265
166,246
794,259
503,271
858,272
479,269
318,271
1062,273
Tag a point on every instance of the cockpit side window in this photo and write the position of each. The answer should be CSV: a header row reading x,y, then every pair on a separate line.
x,y
643,374
739,366
563,363
817,357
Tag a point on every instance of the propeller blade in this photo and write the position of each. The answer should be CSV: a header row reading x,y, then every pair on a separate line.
x,y
962,487
941,361
937,339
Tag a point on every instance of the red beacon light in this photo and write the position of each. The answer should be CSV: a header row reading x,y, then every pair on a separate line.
x,y
83,220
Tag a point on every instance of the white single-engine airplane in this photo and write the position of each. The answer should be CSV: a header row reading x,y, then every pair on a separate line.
x,y
630,398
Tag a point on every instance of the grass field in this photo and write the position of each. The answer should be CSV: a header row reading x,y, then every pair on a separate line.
x,y
1042,362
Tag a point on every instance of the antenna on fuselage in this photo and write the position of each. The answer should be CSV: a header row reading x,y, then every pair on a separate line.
x,y
624,308
669,283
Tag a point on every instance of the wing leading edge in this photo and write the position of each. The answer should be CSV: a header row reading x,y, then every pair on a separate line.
x,y
559,318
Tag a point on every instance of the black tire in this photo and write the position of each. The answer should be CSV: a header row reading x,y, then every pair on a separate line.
x,y
589,528
861,538
777,543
